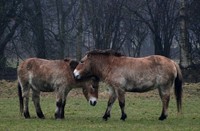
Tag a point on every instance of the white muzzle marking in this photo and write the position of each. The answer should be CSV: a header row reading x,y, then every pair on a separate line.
x,y
76,74
93,101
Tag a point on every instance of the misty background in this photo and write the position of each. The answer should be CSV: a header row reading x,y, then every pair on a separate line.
x,y
56,29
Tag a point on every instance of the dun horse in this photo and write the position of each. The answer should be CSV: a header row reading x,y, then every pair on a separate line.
x,y
48,76
127,74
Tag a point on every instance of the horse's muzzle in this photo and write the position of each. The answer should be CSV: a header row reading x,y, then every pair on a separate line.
x,y
77,77
76,74
93,101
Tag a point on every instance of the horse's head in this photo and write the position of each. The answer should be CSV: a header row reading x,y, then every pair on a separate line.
x,y
90,91
83,69
89,84
94,63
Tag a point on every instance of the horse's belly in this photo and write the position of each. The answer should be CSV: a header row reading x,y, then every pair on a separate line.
x,y
42,86
140,87
47,88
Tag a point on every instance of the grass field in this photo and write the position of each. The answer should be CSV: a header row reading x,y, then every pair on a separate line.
x,y
143,111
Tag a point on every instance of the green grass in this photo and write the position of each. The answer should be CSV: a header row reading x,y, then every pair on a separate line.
x,y
143,111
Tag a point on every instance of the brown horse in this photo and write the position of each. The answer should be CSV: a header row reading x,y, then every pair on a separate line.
x,y
48,76
127,74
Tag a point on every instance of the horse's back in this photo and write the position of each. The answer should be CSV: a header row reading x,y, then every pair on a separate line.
x,y
145,73
43,74
149,64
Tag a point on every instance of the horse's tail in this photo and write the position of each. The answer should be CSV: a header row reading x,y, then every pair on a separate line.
x,y
21,102
178,88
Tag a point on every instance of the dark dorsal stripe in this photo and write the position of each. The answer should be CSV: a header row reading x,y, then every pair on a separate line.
x,y
108,52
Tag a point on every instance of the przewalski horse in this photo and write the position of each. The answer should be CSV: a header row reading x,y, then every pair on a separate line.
x,y
48,76
128,74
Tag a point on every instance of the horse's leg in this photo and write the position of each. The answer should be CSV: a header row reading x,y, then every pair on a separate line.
x,y
36,101
25,95
60,104
121,99
165,97
111,100
62,110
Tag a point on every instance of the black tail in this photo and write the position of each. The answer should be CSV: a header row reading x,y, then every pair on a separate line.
x,y
178,88
21,102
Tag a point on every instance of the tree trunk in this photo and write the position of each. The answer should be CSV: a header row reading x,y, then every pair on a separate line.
x,y
185,52
2,59
80,33
61,28
4,41
39,31
158,45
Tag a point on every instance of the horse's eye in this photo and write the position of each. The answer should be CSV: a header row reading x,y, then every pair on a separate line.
x,y
81,62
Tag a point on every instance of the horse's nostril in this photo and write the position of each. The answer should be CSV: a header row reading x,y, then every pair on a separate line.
x,y
93,103
77,77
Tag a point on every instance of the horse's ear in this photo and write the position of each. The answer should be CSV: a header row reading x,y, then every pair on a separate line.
x,y
73,64
89,55
66,59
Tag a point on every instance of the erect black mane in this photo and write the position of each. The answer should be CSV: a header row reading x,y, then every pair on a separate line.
x,y
107,52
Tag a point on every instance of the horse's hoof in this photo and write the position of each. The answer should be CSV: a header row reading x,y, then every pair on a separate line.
x,y
124,116
105,117
162,117
41,115
56,116
26,115
59,117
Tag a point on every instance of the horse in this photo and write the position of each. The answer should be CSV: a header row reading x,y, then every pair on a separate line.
x,y
41,75
128,74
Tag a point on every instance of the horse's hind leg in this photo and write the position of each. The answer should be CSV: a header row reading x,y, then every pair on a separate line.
x,y
165,97
121,99
111,100
25,95
36,101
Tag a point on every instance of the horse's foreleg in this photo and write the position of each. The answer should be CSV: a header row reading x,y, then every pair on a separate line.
x,y
165,97
62,110
121,99
60,104
111,100
58,108
36,101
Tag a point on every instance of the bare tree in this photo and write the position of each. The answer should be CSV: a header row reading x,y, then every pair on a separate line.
x,y
185,49
33,18
105,18
61,27
194,28
79,41
64,10
160,16
38,29
10,20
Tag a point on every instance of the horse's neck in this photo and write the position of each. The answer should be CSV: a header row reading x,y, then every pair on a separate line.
x,y
103,67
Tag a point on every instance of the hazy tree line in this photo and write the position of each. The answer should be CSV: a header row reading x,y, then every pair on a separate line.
x,y
55,29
